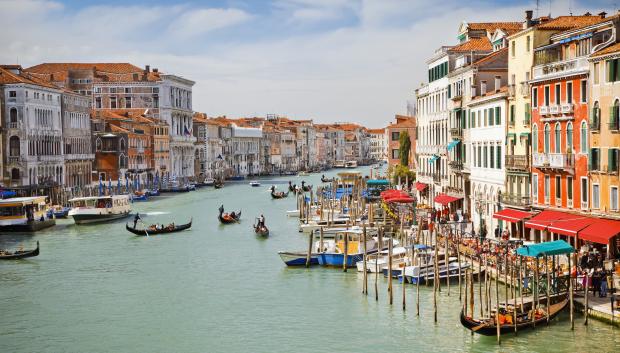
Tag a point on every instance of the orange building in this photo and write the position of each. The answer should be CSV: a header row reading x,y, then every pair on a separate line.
x,y
403,123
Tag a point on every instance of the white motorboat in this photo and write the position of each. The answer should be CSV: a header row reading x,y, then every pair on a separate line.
x,y
254,183
96,209
350,164
379,261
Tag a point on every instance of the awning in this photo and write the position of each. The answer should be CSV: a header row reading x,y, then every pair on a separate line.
x,y
377,182
570,227
446,199
452,144
400,199
601,231
420,186
433,159
544,219
550,248
511,215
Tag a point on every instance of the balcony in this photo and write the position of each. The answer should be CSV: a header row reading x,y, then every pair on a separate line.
x,y
181,138
454,191
15,125
525,89
511,90
558,68
515,200
567,108
519,163
553,160
456,132
543,110
15,159
554,109
79,156
456,165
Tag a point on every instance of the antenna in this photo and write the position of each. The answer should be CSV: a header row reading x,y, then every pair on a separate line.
x,y
570,8
537,8
549,8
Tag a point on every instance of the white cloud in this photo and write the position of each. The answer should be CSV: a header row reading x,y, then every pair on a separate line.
x,y
197,22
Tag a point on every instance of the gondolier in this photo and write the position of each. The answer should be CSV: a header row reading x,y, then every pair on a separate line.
x,y
136,218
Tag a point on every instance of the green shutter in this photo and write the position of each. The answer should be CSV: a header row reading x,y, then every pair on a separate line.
x,y
609,65
617,72
498,116
610,156
499,157
590,159
527,113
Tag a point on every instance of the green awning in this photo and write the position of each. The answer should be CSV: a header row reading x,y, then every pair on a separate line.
x,y
558,247
377,182
526,134
452,144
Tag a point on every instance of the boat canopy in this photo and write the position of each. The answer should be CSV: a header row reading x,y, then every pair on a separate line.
x,y
557,247
377,182
22,201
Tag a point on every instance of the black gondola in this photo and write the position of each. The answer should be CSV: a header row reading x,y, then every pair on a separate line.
x,y
168,229
218,185
226,218
262,231
304,187
20,254
278,194
488,327
326,180
291,187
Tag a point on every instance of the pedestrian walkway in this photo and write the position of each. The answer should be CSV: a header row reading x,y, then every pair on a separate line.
x,y
600,308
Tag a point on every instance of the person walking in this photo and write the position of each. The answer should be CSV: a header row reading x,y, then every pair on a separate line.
x,y
603,289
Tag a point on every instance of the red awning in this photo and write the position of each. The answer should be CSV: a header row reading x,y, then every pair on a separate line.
x,y
511,215
544,219
571,226
445,199
601,231
402,199
420,186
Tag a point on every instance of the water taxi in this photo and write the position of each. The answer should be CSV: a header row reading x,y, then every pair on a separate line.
x,y
350,164
339,164
99,208
24,214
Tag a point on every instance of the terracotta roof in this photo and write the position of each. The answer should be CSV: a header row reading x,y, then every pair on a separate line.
x,y
508,27
495,54
571,22
8,77
481,44
612,49
115,72
403,121
376,131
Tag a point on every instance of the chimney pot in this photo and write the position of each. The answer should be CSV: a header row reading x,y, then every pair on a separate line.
x,y
587,14
155,69
602,14
147,68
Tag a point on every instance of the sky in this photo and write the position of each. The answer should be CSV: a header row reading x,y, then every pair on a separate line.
x,y
328,60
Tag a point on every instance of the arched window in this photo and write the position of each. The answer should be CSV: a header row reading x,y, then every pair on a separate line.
x,y
14,146
98,145
569,136
596,116
547,138
15,174
558,138
614,119
583,139
122,144
13,115
535,138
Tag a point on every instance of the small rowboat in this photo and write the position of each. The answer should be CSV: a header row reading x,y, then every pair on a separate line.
x,y
488,326
262,231
154,231
20,254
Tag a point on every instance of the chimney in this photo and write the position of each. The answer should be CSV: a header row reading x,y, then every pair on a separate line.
x,y
528,18
498,82
147,68
602,14
587,14
483,88
155,69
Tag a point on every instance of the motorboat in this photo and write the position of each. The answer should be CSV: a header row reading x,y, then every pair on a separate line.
x,y
95,209
379,261
24,214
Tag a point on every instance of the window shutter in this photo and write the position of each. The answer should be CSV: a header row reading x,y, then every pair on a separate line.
x,y
617,72
608,67
498,118
449,91
590,159
610,157
527,113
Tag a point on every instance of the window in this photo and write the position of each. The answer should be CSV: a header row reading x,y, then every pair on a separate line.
x,y
98,103
490,116
491,157
558,138
512,48
479,156
546,95
595,196
614,114
584,192
546,138
557,94
128,102
535,97
569,137
584,91
395,135
583,139
512,114
569,188
526,120
127,89
613,72
535,138
612,160
12,94
528,43
498,155
498,116
112,89
596,73
547,187
113,103
569,92
594,159
485,157
395,153
535,187
613,198
558,187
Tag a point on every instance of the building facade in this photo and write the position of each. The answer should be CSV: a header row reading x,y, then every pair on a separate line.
x,y
76,136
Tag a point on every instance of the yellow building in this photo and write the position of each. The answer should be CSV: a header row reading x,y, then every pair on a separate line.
x,y
605,130
535,33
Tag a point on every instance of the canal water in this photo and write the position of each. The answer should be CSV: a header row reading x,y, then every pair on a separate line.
x,y
220,288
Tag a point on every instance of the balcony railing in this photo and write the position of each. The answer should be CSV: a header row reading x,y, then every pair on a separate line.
x,y
567,108
15,125
515,200
517,162
563,67
456,132
553,160
554,109
457,165
15,159
543,110
511,90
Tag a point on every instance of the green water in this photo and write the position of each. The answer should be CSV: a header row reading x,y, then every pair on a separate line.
x,y
221,289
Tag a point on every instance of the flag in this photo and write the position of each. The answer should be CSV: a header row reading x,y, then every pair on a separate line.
x,y
100,186
118,185
186,132
110,186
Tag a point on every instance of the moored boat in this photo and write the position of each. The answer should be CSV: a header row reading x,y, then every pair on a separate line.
x,y
19,254
350,164
354,252
299,258
154,229
24,214
95,209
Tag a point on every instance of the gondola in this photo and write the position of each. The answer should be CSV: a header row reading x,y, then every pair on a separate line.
x,y
151,231
226,218
218,185
488,327
262,231
291,187
278,194
326,180
20,254
304,187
